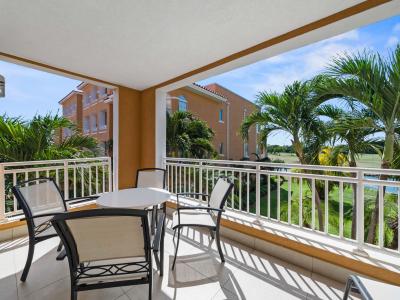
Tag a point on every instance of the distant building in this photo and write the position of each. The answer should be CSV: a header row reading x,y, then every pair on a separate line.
x,y
224,112
90,108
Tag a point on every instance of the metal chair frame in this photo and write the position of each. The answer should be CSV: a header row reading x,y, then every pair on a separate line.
x,y
35,230
79,270
213,229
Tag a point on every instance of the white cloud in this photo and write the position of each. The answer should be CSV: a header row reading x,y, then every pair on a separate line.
x,y
301,64
392,41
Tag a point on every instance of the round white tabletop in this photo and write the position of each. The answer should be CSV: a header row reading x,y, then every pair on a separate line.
x,y
139,198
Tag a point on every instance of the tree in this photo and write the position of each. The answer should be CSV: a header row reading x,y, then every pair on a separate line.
x,y
37,139
188,136
374,82
354,129
295,112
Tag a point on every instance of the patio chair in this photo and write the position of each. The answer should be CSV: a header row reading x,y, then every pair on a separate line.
x,y
40,199
203,216
106,248
370,289
151,177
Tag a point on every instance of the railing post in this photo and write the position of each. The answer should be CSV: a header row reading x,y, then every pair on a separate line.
x,y
110,176
360,214
2,194
258,185
66,181
201,180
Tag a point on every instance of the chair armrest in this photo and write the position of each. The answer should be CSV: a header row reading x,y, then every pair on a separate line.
x,y
190,194
81,199
46,215
201,207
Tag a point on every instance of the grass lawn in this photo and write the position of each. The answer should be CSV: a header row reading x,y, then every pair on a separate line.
x,y
333,203
364,160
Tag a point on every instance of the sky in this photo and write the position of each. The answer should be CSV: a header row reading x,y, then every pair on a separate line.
x,y
301,64
30,92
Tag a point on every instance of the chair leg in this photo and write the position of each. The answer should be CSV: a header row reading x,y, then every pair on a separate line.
x,y
60,245
176,249
212,234
74,294
349,284
28,262
150,286
153,219
174,235
219,245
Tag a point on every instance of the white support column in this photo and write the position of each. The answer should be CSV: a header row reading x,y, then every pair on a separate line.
x,y
161,127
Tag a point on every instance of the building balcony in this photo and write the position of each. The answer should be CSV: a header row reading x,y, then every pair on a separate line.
x,y
266,254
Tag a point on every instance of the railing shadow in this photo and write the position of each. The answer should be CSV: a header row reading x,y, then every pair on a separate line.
x,y
244,259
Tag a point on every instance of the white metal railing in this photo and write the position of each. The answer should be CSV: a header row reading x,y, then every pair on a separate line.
x,y
307,194
75,177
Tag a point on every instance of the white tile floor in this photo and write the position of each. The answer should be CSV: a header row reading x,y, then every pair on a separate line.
x,y
246,274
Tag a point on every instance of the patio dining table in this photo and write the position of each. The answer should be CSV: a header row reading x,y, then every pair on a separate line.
x,y
142,198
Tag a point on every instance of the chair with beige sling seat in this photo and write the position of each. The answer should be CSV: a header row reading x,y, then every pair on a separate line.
x,y
106,248
40,199
206,216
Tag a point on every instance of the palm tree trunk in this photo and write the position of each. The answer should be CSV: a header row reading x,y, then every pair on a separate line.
x,y
386,162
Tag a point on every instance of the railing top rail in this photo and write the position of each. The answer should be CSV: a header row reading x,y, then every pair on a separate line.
x,y
55,161
289,166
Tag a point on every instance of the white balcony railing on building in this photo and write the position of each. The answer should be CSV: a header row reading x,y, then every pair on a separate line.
x,y
301,187
75,178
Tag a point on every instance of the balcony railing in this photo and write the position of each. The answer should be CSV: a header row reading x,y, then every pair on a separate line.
x,y
302,196
75,177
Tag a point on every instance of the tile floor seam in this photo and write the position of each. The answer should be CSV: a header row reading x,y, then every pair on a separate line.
x,y
46,286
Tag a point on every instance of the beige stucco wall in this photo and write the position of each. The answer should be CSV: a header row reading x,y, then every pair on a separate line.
x,y
206,109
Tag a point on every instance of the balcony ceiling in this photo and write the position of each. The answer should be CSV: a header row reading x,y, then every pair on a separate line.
x,y
139,44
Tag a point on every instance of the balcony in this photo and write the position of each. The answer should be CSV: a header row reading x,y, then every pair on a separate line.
x,y
289,231
246,274
269,249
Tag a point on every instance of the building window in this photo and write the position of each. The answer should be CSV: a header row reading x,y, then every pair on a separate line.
x,y
93,94
86,125
69,110
86,100
67,132
246,150
102,91
103,120
221,116
221,148
93,123
182,103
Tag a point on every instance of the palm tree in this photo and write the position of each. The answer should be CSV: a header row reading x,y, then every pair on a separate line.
x,y
37,139
354,128
373,81
295,112
188,136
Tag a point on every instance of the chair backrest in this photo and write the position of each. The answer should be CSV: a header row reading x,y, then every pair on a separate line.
x,y
220,192
39,196
104,234
150,177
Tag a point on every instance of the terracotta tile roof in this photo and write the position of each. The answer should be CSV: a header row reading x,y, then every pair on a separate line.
x,y
209,90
